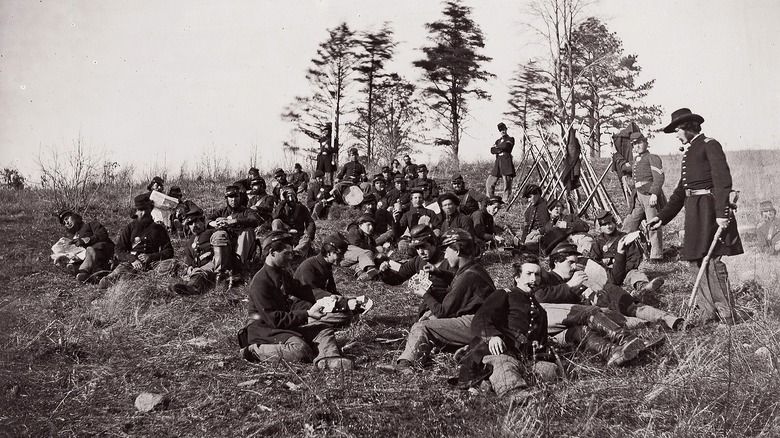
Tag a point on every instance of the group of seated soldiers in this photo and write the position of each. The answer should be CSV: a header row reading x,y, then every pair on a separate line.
x,y
397,238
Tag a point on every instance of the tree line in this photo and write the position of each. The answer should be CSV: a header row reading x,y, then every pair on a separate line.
x,y
585,79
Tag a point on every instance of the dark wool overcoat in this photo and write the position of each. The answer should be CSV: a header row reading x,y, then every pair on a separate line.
x,y
503,151
704,166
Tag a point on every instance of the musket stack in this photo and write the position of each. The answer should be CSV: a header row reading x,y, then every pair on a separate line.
x,y
549,168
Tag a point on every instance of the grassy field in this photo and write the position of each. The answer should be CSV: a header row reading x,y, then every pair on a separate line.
x,y
74,357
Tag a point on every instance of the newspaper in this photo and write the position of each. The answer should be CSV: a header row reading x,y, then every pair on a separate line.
x,y
63,247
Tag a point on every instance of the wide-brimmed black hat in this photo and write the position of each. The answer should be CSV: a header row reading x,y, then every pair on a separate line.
x,y
682,115
175,192
141,202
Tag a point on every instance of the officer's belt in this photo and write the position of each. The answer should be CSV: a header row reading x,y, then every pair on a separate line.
x,y
697,192
639,184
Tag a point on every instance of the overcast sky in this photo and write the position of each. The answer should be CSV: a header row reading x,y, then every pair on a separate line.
x,y
161,81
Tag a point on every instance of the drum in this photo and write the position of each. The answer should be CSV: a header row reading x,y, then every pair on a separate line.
x,y
352,195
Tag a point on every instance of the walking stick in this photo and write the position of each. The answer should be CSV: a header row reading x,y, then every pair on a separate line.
x,y
705,261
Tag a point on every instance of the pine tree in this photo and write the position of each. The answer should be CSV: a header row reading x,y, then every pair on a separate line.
x,y
451,68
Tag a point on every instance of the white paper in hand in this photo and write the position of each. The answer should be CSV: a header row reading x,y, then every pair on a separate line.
x,y
597,276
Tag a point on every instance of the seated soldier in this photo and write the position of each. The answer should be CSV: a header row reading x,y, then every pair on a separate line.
x,y
448,322
565,284
363,251
398,198
280,182
485,228
240,223
396,169
768,232
208,256
294,218
379,190
535,217
388,174
383,221
245,184
93,237
351,173
470,201
621,269
451,216
261,202
318,197
409,167
180,211
429,263
417,214
576,229
317,273
509,330
143,244
429,187
299,179
285,315
589,327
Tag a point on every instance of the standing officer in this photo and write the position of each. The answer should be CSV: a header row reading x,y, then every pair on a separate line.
x,y
704,189
503,168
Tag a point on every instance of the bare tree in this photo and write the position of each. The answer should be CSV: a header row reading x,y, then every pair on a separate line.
x,y
72,174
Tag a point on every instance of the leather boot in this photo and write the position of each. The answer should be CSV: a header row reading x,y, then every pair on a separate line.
x,y
614,354
610,329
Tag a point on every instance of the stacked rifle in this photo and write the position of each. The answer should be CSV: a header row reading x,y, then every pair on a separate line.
x,y
549,169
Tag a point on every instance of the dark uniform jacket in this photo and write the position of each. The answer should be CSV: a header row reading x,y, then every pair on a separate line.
x,y
536,217
503,152
352,171
404,198
317,273
299,180
604,252
317,191
410,169
470,201
429,187
704,166
245,217
412,217
767,235
281,304
553,289
484,225
296,216
514,316
198,250
573,224
263,204
457,220
441,277
469,289
144,236
93,233
356,236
